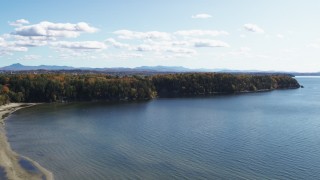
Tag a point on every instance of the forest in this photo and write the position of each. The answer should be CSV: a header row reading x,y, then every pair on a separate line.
x,y
88,87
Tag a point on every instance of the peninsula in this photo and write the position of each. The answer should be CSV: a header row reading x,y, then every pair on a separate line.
x,y
86,87
23,89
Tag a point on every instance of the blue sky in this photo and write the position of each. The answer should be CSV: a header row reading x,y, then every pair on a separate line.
x,y
244,35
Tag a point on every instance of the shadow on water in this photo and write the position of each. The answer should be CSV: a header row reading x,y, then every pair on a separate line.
x,y
28,166
25,164
3,174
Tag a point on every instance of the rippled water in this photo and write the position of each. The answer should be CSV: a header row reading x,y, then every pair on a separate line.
x,y
272,135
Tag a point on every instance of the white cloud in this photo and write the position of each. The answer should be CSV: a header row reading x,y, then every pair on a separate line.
x,y
179,43
314,45
19,49
4,53
117,44
2,42
46,33
155,43
253,28
128,55
209,43
244,49
33,38
280,36
30,43
181,50
159,49
23,41
26,41
7,47
49,29
198,32
80,45
127,34
201,16
145,47
30,57
167,43
14,48
19,22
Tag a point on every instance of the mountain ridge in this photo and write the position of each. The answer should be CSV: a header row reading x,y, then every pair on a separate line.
x,y
20,67
159,68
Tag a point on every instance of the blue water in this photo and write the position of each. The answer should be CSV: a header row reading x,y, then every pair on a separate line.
x,y
270,135
3,174
28,166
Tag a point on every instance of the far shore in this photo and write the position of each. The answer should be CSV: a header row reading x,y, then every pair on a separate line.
x,y
9,160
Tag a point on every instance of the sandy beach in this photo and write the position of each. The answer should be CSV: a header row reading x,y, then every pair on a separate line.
x,y
9,160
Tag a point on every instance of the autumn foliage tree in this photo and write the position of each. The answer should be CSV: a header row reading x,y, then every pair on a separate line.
x,y
5,89
68,87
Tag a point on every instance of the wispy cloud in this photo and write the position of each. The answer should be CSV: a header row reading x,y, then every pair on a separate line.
x,y
30,57
159,49
19,22
199,32
132,44
82,45
117,44
127,34
45,33
201,16
209,43
280,36
253,28
49,29
314,45
6,48
176,44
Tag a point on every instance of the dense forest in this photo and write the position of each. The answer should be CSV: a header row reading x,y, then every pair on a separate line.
x,y
69,87
219,83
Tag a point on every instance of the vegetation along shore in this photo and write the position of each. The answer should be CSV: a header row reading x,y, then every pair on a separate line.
x,y
86,87
25,89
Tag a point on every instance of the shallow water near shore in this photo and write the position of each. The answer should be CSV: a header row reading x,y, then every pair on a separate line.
x,y
3,174
269,135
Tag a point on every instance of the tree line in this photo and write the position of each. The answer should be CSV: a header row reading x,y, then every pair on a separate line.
x,y
219,83
86,87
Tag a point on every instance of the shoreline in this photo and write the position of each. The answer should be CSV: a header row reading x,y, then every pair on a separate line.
x,y
223,93
10,161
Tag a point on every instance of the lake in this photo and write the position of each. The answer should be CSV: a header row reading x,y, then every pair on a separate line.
x,y
269,135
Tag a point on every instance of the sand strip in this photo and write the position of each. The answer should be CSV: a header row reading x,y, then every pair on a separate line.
x,y
9,160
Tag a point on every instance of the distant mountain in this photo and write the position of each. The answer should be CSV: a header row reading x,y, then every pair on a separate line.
x,y
163,68
160,69
20,67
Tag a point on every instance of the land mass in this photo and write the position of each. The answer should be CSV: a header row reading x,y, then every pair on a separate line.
x,y
52,87
87,87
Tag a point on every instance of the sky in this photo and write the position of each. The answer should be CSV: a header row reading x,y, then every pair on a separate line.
x,y
214,34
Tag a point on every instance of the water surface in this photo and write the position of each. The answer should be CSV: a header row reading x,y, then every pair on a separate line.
x,y
270,135
3,174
